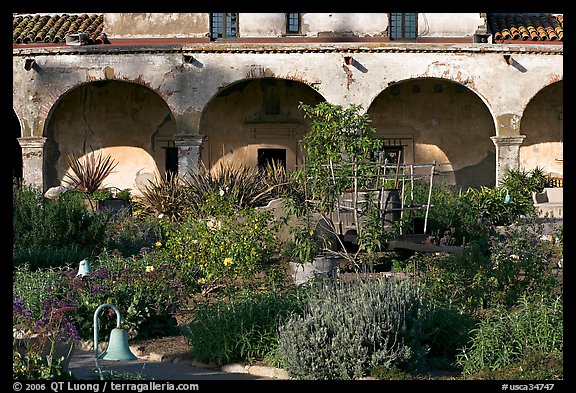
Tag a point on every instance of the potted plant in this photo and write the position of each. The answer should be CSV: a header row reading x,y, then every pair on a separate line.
x,y
87,176
311,254
311,242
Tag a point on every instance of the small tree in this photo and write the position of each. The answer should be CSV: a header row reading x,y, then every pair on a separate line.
x,y
340,150
339,144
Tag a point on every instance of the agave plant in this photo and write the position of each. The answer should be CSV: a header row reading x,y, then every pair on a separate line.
x,y
88,174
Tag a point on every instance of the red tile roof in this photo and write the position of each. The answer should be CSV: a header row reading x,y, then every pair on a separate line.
x,y
54,28
525,27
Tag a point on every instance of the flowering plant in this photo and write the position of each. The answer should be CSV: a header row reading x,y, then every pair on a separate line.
x,y
144,289
42,348
220,242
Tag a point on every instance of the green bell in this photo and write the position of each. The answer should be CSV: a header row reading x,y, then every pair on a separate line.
x,y
118,348
84,268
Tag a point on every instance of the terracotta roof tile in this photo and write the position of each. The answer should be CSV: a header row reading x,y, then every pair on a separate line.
x,y
526,27
55,28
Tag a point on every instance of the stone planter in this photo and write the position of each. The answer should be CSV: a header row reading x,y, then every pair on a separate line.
x,y
114,205
321,265
63,349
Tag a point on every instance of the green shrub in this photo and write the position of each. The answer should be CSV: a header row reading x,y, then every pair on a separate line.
x,y
390,374
452,214
533,366
128,235
510,201
243,328
33,288
34,366
516,261
522,262
54,232
446,331
349,327
503,337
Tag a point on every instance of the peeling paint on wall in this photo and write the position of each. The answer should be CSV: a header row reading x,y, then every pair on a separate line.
x,y
349,76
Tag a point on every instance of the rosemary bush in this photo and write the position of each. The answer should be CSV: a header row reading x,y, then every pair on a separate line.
x,y
242,328
53,232
349,327
504,337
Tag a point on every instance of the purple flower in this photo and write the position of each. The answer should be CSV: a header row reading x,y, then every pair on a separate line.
x,y
19,309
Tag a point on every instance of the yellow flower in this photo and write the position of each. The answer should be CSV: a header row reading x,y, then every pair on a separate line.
x,y
227,261
201,280
149,269
158,244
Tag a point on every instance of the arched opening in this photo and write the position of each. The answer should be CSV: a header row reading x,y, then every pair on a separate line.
x,y
256,120
127,121
432,119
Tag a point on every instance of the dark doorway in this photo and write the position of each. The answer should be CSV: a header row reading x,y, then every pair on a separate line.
x,y
172,160
267,156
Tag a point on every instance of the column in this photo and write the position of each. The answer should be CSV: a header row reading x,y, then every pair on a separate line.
x,y
188,153
33,160
507,154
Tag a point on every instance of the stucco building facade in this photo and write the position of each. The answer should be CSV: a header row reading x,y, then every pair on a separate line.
x,y
165,92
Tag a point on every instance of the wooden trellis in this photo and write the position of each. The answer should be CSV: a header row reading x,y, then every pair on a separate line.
x,y
393,193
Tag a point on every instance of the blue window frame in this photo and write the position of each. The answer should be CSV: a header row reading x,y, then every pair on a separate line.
x,y
292,23
223,25
403,25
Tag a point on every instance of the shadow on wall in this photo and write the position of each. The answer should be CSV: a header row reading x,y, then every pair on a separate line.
x,y
51,155
481,174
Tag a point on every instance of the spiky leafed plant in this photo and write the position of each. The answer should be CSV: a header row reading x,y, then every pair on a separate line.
x,y
245,185
88,174
166,195
278,182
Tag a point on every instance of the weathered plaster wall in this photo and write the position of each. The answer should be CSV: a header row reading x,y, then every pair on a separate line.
x,y
449,24
156,25
259,113
446,122
357,24
185,93
163,25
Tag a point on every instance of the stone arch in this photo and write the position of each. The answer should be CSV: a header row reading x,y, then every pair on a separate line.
x,y
254,114
542,124
126,120
437,119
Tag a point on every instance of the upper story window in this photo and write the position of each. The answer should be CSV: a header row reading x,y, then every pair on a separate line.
x,y
403,25
292,23
223,25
